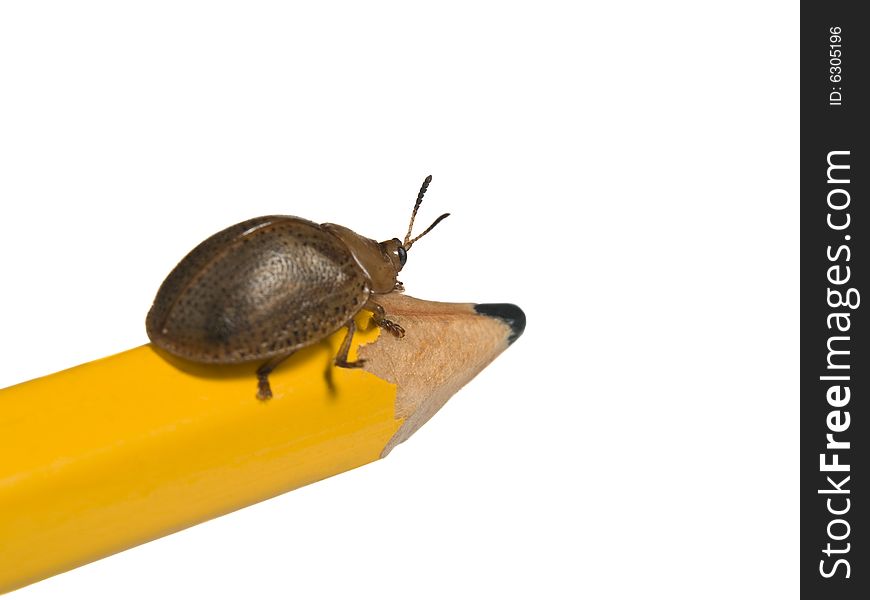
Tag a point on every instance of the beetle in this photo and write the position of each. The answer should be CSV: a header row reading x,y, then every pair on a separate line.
x,y
266,287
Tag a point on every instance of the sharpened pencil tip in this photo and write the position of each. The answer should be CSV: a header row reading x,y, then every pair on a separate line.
x,y
511,314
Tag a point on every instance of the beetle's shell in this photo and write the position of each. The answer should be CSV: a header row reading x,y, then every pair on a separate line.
x,y
258,289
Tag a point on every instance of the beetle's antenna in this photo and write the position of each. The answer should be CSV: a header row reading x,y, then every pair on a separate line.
x,y
407,245
419,201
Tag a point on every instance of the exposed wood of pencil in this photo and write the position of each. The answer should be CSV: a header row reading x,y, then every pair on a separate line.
x,y
445,346
113,453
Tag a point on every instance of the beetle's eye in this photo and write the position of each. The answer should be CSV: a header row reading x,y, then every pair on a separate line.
x,y
403,255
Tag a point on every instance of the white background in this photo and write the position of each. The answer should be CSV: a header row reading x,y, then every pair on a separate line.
x,y
626,172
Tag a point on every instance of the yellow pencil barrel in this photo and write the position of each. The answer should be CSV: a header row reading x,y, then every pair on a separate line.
x,y
132,447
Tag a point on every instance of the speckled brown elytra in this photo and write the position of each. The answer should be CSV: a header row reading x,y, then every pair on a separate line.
x,y
266,287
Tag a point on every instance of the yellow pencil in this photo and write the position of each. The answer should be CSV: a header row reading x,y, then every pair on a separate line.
x,y
126,449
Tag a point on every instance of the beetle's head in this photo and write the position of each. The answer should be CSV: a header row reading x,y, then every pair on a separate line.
x,y
398,251
397,254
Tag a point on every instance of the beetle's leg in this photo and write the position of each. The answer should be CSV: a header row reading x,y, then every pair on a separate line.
x,y
399,287
264,390
378,316
341,358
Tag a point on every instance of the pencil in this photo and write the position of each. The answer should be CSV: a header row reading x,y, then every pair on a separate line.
x,y
116,452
